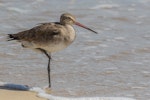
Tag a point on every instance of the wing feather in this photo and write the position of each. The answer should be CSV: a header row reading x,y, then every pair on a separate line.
x,y
43,32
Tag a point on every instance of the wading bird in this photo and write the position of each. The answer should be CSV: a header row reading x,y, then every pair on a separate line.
x,y
49,37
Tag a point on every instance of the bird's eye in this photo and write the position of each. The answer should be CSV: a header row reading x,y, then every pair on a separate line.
x,y
68,18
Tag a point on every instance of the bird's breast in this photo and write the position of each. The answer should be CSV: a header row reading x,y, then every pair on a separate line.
x,y
62,41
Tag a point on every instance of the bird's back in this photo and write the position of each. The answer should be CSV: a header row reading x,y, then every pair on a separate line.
x,y
47,36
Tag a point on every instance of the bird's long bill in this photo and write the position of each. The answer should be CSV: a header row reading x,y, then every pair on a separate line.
x,y
79,24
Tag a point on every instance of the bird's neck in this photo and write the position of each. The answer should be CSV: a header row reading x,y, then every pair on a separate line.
x,y
70,32
69,28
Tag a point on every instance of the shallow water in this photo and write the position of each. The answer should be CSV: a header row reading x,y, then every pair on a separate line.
x,y
116,62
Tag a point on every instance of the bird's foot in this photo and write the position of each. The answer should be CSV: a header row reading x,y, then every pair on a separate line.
x,y
48,90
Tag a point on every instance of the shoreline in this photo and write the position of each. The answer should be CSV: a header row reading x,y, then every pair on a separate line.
x,y
23,92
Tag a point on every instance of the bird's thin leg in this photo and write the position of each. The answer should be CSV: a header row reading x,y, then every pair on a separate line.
x,y
48,67
49,70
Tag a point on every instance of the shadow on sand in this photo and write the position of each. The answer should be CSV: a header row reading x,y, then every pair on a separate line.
x,y
17,87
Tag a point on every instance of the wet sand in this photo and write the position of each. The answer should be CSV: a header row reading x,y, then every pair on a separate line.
x,y
18,95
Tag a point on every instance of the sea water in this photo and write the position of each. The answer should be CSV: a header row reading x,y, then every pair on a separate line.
x,y
113,63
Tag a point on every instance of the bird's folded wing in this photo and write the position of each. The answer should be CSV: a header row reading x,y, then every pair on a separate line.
x,y
43,32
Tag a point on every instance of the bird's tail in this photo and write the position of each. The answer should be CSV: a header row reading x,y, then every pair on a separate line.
x,y
12,37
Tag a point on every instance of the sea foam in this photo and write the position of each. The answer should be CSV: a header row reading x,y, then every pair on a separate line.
x,y
41,93
105,6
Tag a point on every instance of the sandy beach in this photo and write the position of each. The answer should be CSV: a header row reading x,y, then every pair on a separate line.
x,y
18,95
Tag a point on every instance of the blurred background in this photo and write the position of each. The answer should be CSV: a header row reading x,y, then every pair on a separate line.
x,y
115,62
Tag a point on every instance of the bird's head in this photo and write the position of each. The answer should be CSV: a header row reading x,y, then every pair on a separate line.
x,y
68,18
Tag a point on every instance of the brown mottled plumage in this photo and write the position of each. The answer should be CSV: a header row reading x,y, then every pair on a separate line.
x,y
49,37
